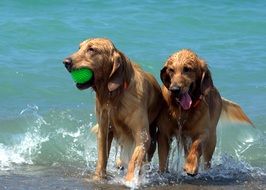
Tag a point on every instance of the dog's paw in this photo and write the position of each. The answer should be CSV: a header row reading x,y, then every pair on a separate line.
x,y
192,174
191,170
191,167
98,176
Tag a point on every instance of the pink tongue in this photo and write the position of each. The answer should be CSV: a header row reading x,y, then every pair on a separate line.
x,y
185,101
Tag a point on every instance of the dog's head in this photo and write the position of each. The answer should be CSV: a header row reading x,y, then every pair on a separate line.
x,y
186,76
101,56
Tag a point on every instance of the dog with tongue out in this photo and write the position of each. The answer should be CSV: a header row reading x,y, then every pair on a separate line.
x,y
193,106
181,98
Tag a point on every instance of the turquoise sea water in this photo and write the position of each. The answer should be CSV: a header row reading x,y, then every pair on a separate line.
x,y
45,120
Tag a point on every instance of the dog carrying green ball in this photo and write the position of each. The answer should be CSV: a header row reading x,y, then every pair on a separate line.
x,y
81,76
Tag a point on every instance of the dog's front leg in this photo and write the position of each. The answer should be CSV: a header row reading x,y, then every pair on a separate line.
x,y
104,140
143,141
193,157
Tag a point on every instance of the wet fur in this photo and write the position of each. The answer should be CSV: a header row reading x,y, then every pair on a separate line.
x,y
197,125
127,104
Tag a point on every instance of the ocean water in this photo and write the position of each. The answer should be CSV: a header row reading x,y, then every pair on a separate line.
x,y
45,138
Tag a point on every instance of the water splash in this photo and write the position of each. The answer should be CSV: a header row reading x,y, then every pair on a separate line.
x,y
27,145
57,137
63,138
227,168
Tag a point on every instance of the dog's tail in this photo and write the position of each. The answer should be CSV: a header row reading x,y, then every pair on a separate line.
x,y
233,112
95,129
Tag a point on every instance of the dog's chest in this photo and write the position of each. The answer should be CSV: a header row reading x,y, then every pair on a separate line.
x,y
189,121
117,119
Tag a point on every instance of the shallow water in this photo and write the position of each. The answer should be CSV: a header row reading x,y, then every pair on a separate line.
x,y
45,138
33,177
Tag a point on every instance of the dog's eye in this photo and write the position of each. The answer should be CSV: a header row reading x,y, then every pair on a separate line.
x,y
91,49
187,69
170,70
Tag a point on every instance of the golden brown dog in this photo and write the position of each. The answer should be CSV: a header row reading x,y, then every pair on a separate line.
x,y
193,108
127,103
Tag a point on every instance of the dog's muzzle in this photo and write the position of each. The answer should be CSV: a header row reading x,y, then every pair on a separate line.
x,y
68,64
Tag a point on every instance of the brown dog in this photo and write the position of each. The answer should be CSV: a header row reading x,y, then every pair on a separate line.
x,y
127,103
193,108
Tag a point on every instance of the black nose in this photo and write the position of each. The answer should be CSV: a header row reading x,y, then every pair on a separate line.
x,y
175,90
68,64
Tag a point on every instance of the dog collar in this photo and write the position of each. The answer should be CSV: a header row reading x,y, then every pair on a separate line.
x,y
197,101
201,97
125,85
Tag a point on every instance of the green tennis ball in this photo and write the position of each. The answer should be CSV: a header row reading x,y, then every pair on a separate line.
x,y
82,75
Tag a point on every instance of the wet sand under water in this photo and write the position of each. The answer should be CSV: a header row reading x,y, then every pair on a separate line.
x,y
28,178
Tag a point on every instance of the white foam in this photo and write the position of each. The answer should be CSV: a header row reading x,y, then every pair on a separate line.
x,y
25,146
21,153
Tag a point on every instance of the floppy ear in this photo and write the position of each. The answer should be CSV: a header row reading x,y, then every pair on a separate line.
x,y
165,77
206,78
116,76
